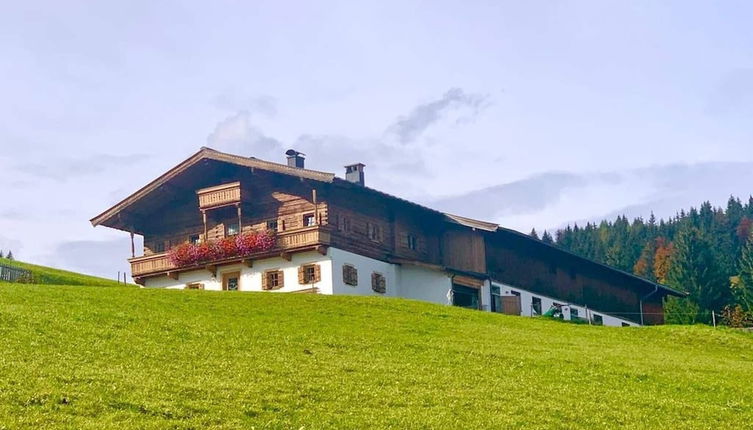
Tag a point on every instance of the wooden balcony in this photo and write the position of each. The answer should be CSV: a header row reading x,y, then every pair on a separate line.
x,y
220,195
288,242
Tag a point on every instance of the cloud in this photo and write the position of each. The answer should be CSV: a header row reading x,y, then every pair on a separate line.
x,y
732,94
555,199
409,127
13,215
99,258
237,101
62,169
237,135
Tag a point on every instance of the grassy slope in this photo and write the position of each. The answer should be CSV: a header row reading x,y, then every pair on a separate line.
x,y
85,357
47,275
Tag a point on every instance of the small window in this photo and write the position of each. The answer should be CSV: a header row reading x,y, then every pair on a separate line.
x,y
232,229
597,319
374,231
412,242
194,239
350,275
309,274
344,224
195,286
272,225
273,280
536,305
573,313
309,220
378,283
515,293
624,324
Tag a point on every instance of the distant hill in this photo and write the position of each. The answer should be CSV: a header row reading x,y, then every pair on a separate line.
x,y
48,275
90,358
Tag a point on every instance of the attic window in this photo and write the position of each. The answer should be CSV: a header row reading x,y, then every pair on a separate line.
x,y
309,220
374,231
412,242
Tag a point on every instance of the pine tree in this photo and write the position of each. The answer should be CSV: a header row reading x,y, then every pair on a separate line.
x,y
9,256
742,290
695,268
547,238
533,234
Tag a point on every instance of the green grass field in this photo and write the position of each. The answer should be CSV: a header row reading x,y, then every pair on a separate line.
x,y
94,358
47,275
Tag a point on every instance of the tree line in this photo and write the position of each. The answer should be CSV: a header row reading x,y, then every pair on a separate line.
x,y
8,256
706,251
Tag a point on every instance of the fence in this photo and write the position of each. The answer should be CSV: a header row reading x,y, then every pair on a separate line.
x,y
14,274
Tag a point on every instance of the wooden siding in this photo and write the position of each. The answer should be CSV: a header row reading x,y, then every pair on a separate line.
x,y
464,249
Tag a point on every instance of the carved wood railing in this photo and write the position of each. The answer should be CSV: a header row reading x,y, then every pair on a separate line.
x,y
220,195
287,241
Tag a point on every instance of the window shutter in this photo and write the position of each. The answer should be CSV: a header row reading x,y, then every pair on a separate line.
x,y
281,277
301,275
265,281
317,273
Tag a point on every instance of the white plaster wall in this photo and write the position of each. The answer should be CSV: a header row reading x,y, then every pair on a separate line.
x,y
425,284
526,298
251,276
366,266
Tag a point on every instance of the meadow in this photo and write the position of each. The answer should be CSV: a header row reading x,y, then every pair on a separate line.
x,y
88,357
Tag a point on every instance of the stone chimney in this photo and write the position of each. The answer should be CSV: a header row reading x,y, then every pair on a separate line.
x,y
295,158
354,173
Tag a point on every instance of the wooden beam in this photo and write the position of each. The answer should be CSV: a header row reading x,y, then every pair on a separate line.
x,y
173,275
248,262
212,269
240,222
133,247
139,281
286,256
322,249
204,218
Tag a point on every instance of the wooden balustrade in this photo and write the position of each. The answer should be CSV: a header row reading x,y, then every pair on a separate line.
x,y
288,241
220,195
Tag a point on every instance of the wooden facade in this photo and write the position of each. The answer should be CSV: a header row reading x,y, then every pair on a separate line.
x,y
213,195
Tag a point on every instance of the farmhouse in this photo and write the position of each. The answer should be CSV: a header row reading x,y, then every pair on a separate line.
x,y
219,221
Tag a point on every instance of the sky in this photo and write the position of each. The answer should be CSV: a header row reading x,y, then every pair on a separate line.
x,y
529,114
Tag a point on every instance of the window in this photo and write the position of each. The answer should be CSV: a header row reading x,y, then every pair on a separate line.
x,y
350,275
624,324
309,220
536,305
273,280
378,283
232,229
597,319
272,225
309,274
573,313
344,224
496,299
194,239
231,281
515,293
374,232
465,297
195,286
412,242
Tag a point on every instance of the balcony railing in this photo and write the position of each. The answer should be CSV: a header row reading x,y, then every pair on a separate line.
x,y
220,195
287,241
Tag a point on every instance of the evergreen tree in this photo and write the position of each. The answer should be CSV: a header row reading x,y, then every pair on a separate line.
x,y
9,256
533,234
547,238
695,268
742,290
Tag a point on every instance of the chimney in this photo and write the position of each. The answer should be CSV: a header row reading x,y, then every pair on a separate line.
x,y
354,173
295,158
